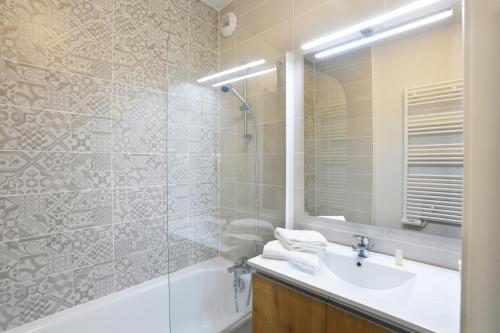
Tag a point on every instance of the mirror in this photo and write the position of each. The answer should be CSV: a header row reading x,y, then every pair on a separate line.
x,y
383,132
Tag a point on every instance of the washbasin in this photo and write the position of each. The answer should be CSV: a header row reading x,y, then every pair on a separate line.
x,y
366,273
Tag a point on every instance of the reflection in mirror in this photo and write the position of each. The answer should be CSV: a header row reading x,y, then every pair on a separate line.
x,y
383,132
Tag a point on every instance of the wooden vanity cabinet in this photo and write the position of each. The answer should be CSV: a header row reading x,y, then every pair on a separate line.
x,y
277,309
340,321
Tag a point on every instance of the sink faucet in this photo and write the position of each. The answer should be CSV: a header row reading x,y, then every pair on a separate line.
x,y
363,246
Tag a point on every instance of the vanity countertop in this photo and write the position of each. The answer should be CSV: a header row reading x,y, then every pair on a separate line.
x,y
428,302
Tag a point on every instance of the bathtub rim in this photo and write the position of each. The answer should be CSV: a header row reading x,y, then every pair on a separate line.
x,y
213,264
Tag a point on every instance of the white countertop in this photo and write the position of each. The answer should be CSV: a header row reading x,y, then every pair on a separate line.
x,y
431,303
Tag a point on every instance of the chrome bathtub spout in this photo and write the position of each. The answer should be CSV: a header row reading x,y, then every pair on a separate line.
x,y
239,268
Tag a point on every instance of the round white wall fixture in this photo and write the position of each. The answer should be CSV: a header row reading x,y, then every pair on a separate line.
x,y
228,24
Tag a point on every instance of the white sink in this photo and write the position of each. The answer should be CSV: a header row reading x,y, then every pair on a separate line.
x,y
366,274
417,296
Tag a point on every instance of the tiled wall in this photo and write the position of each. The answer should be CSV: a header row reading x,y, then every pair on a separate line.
x,y
87,89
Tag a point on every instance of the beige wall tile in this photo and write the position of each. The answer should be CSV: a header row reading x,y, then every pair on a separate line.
x,y
266,16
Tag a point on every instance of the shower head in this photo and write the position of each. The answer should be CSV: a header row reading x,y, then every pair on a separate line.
x,y
227,87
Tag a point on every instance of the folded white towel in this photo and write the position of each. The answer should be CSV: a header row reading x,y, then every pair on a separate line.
x,y
302,240
276,250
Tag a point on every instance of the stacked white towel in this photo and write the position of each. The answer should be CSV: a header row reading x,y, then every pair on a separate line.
x,y
300,247
276,250
302,240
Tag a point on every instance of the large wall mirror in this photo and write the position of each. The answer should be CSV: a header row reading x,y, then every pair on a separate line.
x,y
383,132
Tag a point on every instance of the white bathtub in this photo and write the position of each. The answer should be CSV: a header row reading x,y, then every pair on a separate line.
x,y
202,300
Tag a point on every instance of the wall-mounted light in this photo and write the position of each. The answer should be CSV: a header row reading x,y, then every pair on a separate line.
x,y
412,7
232,70
265,71
384,34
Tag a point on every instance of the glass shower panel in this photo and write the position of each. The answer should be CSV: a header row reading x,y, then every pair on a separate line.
x,y
226,191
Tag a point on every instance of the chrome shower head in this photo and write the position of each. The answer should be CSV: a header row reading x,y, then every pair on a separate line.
x,y
227,87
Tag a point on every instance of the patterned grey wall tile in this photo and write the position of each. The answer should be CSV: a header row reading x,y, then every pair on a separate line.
x,y
178,263
8,32
202,140
139,36
138,71
131,204
177,139
90,133
8,82
35,299
37,215
203,168
204,12
181,4
178,228
75,249
178,81
81,54
9,310
179,249
32,129
129,238
33,258
177,51
137,136
9,263
8,219
139,170
202,61
131,102
205,225
177,199
91,170
26,172
157,232
199,253
178,169
203,34
178,111
50,89
203,196
174,19
141,266
81,42
93,282
178,256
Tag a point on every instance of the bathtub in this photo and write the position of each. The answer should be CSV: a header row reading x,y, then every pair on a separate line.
x,y
201,296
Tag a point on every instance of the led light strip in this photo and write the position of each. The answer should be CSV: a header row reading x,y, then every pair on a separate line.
x,y
265,71
370,23
231,70
385,34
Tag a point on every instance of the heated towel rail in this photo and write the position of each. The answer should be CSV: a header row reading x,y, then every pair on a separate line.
x,y
434,154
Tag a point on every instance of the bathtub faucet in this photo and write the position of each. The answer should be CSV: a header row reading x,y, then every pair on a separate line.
x,y
240,267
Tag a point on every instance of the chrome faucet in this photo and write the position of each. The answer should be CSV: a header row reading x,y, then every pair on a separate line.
x,y
363,246
239,268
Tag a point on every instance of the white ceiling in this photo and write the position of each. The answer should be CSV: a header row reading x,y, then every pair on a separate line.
x,y
217,4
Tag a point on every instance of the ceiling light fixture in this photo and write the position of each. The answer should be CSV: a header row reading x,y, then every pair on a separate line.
x,y
265,71
384,34
412,7
231,70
